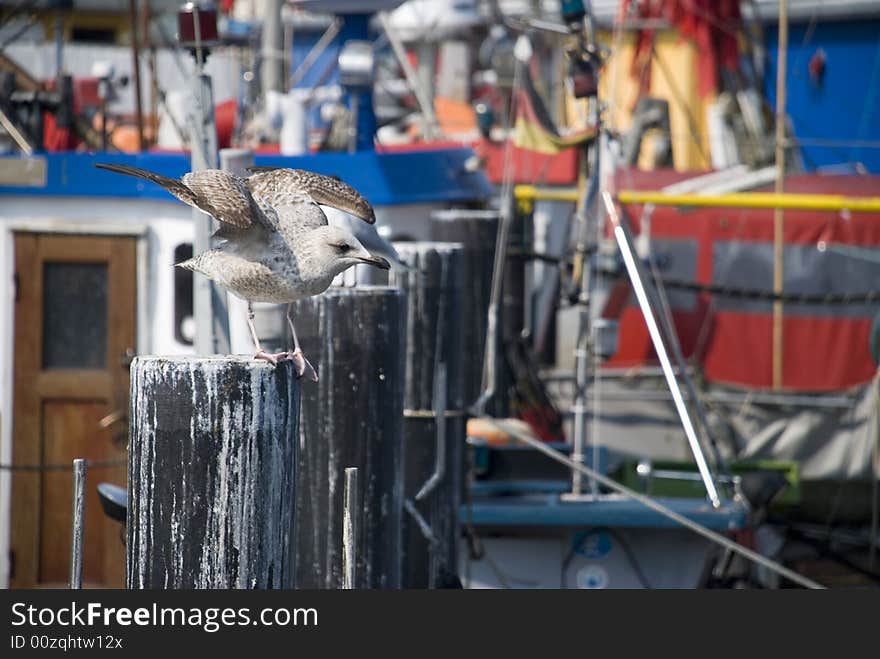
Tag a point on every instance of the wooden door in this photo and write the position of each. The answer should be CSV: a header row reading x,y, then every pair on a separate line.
x,y
74,336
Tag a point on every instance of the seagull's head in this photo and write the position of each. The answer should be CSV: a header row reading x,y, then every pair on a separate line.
x,y
335,249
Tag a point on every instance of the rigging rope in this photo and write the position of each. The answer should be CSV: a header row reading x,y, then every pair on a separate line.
x,y
656,507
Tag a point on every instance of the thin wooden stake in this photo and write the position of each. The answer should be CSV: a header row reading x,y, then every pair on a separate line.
x,y
79,514
778,218
351,505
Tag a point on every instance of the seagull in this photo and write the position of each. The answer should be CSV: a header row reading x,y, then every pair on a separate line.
x,y
366,233
275,244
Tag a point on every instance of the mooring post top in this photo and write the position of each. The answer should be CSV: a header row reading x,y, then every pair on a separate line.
x,y
361,290
427,245
448,214
203,360
343,296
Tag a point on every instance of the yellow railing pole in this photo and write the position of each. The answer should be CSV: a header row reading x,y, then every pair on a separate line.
x,y
788,201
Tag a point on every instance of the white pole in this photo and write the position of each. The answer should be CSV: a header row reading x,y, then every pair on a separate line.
x,y
350,528
78,526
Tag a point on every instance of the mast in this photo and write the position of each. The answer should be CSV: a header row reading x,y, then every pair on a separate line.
x,y
778,217
272,66
136,70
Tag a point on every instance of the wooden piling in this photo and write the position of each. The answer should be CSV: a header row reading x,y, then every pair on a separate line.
x,y
211,473
476,230
352,417
434,423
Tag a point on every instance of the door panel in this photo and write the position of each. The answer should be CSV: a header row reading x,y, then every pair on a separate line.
x,y
74,323
71,431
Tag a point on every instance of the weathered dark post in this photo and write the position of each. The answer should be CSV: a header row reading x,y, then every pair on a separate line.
x,y
352,417
434,431
476,230
211,473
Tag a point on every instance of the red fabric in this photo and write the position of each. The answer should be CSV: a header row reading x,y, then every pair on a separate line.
x,y
85,95
825,352
530,166
711,24
58,139
224,116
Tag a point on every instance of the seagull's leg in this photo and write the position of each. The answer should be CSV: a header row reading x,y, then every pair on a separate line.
x,y
296,355
261,354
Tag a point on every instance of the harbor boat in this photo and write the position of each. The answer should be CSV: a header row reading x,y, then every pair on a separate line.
x,y
797,418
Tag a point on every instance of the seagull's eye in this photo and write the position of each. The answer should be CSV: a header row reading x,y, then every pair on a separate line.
x,y
342,248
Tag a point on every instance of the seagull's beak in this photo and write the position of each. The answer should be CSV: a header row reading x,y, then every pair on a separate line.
x,y
377,261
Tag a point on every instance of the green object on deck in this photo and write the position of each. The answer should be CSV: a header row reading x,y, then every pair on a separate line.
x,y
671,478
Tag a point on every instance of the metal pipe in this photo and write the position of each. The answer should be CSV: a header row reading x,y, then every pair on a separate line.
x,y
200,56
316,51
440,431
660,348
353,123
791,201
147,43
136,71
15,134
412,78
351,506
725,399
59,44
427,56
582,351
668,327
271,67
78,525
654,505
502,239
421,522
209,300
646,470
490,356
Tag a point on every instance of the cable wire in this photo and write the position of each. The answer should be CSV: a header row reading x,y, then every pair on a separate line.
x,y
657,507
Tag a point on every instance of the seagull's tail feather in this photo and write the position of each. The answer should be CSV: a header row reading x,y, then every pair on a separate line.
x,y
176,188
189,264
213,191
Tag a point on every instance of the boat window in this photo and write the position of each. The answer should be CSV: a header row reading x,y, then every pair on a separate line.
x,y
184,322
74,315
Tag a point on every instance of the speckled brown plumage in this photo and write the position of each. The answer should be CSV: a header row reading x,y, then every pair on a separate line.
x,y
274,184
274,243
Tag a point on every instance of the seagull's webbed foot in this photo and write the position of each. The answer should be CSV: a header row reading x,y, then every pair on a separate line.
x,y
272,359
303,367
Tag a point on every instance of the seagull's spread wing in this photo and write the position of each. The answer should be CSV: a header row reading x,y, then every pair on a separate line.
x,y
228,195
216,192
274,184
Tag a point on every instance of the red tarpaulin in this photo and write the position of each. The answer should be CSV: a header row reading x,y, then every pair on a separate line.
x,y
825,346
